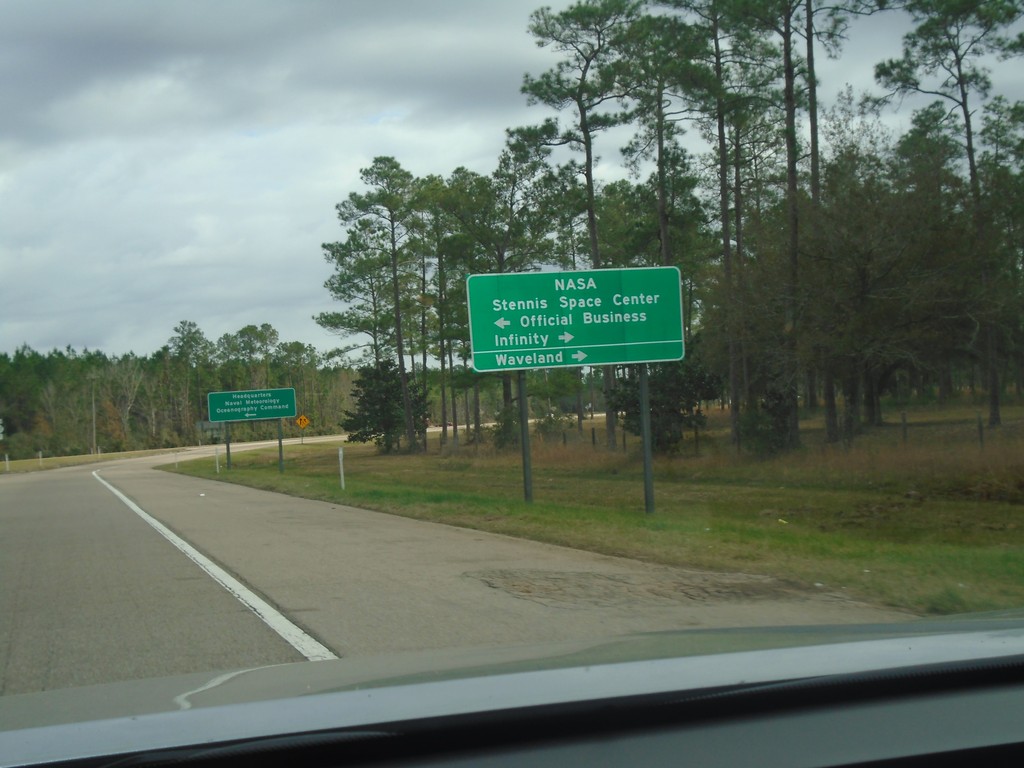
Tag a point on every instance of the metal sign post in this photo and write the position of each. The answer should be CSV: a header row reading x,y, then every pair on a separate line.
x,y
645,435
524,437
280,446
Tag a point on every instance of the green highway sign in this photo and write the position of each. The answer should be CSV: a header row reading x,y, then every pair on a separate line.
x,y
252,405
558,319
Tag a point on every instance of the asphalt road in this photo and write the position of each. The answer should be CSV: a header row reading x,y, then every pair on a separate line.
x,y
91,592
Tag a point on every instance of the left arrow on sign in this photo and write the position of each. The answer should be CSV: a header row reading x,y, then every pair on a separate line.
x,y
502,323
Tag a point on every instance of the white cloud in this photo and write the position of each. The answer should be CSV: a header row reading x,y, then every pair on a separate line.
x,y
163,160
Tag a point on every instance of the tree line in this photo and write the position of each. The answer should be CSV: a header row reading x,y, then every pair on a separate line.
x,y
827,259
66,402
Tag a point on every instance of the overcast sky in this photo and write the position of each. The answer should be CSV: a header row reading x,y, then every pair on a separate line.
x,y
181,160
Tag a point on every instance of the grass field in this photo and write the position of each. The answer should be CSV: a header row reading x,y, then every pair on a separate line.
x,y
927,519
56,462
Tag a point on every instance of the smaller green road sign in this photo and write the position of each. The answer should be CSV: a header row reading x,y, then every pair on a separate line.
x,y
560,319
252,405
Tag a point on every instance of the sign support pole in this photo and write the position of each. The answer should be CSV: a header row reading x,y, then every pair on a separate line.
x,y
524,436
645,436
280,446
227,443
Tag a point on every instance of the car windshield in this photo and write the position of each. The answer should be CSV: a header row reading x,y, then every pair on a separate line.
x,y
437,335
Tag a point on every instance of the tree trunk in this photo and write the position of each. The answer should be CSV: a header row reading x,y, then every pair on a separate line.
x,y
723,212
610,414
831,414
945,381
444,396
994,387
792,225
476,411
872,414
663,231
851,408
812,105
410,427
506,390
455,409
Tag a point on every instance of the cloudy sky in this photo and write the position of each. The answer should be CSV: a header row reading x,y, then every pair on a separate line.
x,y
180,160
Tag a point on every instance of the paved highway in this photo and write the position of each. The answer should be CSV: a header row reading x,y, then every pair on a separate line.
x,y
89,593
93,589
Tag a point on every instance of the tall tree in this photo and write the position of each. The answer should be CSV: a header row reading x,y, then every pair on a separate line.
x,y
743,71
826,22
668,80
378,409
389,207
712,18
1001,168
884,270
190,351
360,282
782,18
505,215
589,80
295,364
942,56
125,377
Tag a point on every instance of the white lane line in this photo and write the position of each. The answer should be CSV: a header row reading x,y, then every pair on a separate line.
x,y
294,636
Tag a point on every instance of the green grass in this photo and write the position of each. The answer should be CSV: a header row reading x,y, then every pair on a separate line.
x,y
932,525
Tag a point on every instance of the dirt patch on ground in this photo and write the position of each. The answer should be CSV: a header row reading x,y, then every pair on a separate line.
x,y
568,589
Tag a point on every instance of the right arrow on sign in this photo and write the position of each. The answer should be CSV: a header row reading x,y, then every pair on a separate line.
x,y
579,356
566,337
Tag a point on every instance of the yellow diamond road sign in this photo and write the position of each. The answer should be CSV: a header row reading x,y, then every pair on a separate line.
x,y
302,421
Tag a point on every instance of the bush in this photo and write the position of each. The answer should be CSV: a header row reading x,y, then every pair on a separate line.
x,y
505,431
676,391
379,415
552,426
763,430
